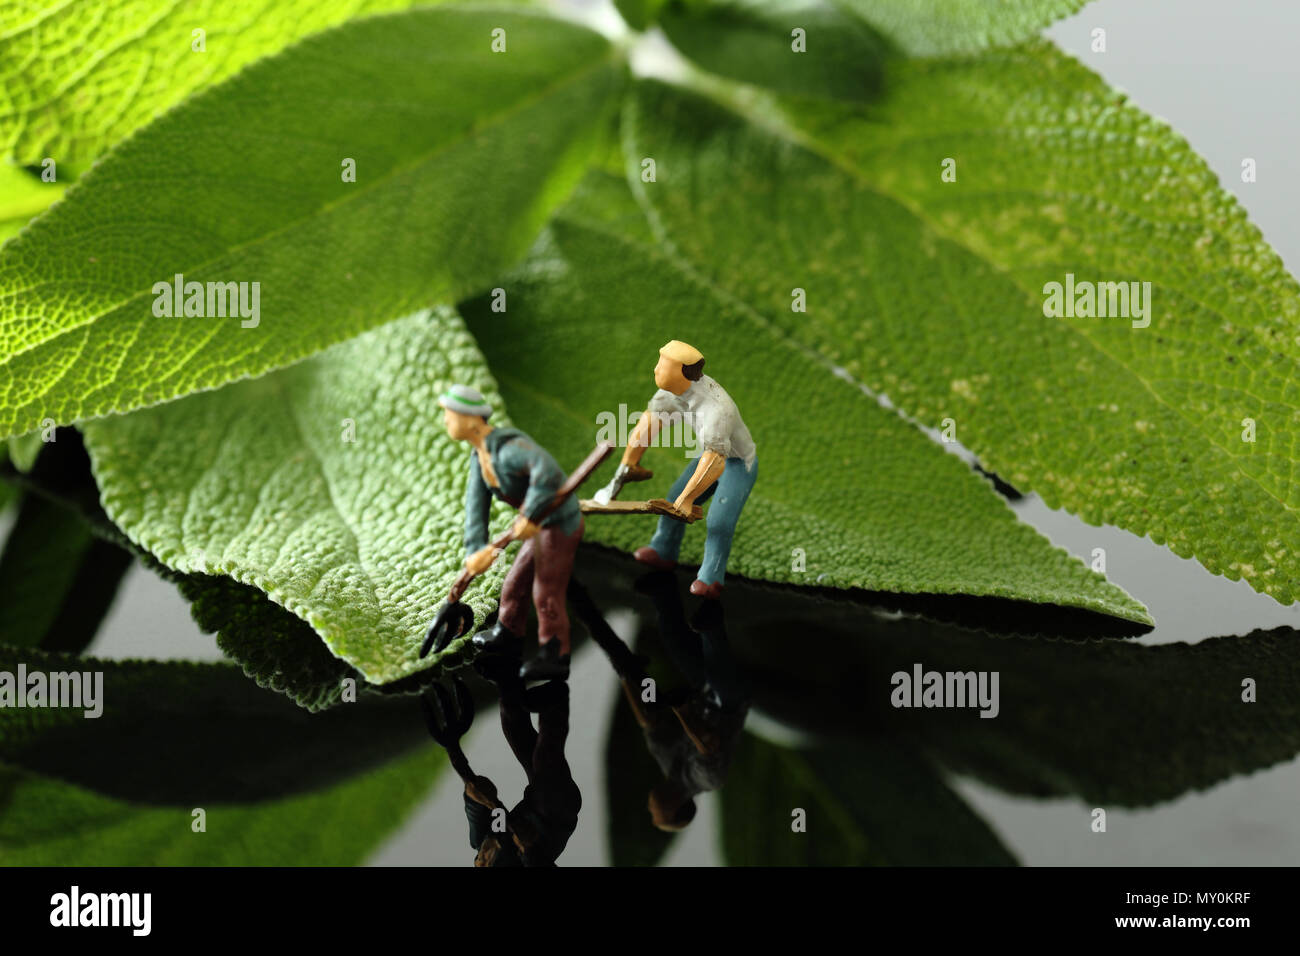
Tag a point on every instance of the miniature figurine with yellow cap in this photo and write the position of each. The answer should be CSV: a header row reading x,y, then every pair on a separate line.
x,y
724,471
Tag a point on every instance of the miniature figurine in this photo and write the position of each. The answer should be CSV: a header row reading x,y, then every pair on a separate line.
x,y
509,465
725,470
537,830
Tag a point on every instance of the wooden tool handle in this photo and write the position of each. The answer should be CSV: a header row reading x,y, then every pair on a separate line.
x,y
574,481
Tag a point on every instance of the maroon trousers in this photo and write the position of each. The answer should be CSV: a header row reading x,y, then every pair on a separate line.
x,y
542,566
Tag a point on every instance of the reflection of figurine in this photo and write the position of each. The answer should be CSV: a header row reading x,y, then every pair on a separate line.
x,y
537,830
725,469
509,465
692,734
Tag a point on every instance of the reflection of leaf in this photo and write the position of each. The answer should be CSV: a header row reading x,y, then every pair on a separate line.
x,y
80,75
460,155
868,499
57,580
932,292
180,733
261,482
1109,721
44,822
750,40
873,803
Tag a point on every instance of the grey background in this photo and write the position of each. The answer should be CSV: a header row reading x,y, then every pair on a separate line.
x,y
1226,76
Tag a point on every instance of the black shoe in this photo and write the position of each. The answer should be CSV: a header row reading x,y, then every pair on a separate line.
x,y
498,639
549,664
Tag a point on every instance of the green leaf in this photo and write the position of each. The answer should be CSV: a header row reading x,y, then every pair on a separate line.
x,y
460,155
22,196
279,651
23,450
179,733
751,41
57,580
639,14
78,76
933,27
869,500
331,485
872,803
933,292
46,822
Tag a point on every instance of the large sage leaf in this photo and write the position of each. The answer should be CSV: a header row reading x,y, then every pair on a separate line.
x,y
934,293
930,27
849,495
80,75
460,153
330,485
755,41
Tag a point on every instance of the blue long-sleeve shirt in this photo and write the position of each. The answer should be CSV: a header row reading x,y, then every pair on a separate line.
x,y
529,479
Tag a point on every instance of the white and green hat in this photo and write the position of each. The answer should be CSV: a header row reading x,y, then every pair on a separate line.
x,y
466,400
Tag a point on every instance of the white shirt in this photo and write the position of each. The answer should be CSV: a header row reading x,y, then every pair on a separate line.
x,y
713,415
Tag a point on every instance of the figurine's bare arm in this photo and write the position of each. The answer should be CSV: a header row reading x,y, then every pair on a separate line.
x,y
707,472
641,437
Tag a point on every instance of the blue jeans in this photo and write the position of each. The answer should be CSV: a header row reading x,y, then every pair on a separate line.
x,y
729,494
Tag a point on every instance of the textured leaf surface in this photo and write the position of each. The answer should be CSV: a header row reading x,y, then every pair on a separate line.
x,y
78,76
868,498
278,650
929,27
750,40
256,481
460,155
932,292
874,803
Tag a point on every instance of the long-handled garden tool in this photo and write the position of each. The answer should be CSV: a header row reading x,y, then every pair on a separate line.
x,y
455,618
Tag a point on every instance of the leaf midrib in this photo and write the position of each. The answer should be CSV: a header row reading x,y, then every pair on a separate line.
x,y
818,149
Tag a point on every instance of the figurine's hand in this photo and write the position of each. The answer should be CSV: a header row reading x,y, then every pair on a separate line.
x,y
683,507
482,791
480,560
524,529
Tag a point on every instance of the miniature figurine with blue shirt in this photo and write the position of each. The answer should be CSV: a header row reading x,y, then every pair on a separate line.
x,y
508,465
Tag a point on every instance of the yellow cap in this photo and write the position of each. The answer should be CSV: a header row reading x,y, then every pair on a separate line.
x,y
681,352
